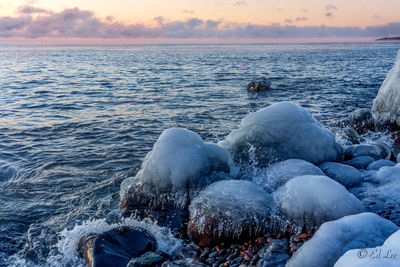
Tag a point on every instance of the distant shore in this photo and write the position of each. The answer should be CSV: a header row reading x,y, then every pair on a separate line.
x,y
395,38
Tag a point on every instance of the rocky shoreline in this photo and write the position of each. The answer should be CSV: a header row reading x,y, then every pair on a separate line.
x,y
278,191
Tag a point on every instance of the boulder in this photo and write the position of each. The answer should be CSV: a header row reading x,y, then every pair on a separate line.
x,y
361,162
374,150
346,175
279,132
148,259
259,85
230,210
278,173
115,247
177,168
360,120
334,238
310,200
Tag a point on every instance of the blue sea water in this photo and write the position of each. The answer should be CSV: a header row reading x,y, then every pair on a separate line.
x,y
76,120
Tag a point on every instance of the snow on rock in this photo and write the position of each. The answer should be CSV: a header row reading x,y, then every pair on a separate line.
x,y
230,209
311,200
279,132
179,165
334,238
376,165
386,106
278,173
387,255
344,174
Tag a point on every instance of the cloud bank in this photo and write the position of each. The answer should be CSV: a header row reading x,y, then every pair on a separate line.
x,y
32,22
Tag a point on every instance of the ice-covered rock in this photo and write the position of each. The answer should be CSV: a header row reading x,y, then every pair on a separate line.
x,y
387,255
278,173
374,150
334,238
230,209
344,174
376,165
360,162
311,200
179,165
279,132
386,106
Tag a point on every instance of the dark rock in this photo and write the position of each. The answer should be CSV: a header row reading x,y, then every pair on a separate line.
x,y
115,247
360,162
259,85
148,259
374,150
376,165
274,254
360,120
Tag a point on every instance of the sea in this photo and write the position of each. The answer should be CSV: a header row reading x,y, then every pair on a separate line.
x,y
76,120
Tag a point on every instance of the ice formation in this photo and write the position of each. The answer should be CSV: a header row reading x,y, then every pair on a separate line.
x,y
179,162
334,238
279,132
344,174
278,173
361,162
230,209
375,150
311,200
387,255
386,106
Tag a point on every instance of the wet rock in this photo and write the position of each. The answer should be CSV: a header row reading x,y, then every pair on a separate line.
x,y
113,217
229,210
360,120
274,254
259,85
344,174
279,132
277,174
148,259
115,247
334,238
376,165
310,200
374,150
360,162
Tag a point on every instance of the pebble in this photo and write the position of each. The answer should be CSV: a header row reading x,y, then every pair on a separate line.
x,y
213,255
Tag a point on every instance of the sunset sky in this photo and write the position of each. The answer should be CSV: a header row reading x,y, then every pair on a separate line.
x,y
200,19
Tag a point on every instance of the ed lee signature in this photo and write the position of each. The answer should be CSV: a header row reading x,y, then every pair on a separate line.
x,y
376,253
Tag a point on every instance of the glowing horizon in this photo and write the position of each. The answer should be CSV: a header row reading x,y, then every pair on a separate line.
x,y
207,19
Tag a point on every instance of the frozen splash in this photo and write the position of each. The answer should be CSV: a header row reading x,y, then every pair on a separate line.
x,y
66,254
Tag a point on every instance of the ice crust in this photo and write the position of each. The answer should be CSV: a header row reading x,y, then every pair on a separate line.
x,y
279,132
311,200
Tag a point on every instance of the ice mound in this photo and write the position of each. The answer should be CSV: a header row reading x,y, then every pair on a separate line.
x,y
376,150
279,132
376,165
230,209
311,200
278,173
386,106
344,174
179,164
334,238
386,255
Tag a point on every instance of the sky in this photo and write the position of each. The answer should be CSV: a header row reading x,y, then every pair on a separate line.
x,y
199,19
